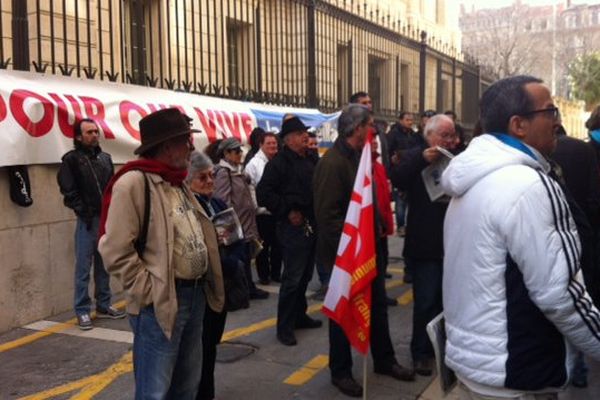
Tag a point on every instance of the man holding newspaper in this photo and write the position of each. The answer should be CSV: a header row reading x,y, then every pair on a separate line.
x,y
418,174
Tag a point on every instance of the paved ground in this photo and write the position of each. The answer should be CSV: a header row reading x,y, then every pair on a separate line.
x,y
54,359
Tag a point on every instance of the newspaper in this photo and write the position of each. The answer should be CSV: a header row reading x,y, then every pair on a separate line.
x,y
228,226
432,176
437,334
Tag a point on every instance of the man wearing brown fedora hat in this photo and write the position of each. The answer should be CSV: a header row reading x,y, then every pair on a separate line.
x,y
285,189
158,241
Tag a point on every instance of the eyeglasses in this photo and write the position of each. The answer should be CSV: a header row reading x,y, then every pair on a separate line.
x,y
203,177
554,110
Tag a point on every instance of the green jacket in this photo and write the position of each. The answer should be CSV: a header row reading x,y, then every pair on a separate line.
x,y
333,183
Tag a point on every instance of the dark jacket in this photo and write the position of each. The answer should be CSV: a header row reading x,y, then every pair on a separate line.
x,y
286,185
233,259
401,139
82,177
232,256
579,166
425,219
333,185
579,177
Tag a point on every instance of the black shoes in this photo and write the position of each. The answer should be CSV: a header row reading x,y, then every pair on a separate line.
x,y
408,279
424,367
348,386
308,323
398,372
264,281
259,294
391,302
109,313
287,339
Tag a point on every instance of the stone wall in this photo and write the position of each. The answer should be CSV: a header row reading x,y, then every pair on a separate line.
x,y
36,251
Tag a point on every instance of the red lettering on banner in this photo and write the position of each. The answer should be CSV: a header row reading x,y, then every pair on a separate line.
x,y
208,126
125,107
2,109
225,119
35,129
66,126
94,109
247,124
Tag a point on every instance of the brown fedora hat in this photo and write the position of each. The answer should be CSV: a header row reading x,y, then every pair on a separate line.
x,y
161,126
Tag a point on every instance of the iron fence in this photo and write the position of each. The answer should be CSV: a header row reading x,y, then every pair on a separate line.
x,y
304,53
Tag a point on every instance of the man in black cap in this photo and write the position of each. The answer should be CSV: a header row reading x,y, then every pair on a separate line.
x,y
158,241
286,191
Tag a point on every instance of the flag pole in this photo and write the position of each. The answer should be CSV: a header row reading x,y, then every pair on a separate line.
x,y
365,376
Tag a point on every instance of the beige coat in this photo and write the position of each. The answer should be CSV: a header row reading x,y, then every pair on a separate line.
x,y
151,279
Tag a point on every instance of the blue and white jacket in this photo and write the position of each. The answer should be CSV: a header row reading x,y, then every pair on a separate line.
x,y
514,300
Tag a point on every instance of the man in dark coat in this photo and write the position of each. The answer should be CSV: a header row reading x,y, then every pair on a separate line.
x,y
82,177
285,189
333,185
579,177
423,247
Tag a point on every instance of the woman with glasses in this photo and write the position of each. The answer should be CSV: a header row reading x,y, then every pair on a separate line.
x,y
233,187
201,180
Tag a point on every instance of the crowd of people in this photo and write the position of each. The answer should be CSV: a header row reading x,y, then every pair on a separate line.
x,y
495,234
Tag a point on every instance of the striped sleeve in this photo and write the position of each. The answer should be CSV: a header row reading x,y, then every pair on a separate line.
x,y
542,238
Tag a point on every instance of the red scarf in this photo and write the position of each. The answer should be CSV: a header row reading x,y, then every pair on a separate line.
x,y
174,176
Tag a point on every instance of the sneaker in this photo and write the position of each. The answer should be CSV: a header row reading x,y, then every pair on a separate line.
x,y
109,313
85,322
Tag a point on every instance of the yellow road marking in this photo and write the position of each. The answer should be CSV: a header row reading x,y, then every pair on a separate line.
x,y
396,270
259,326
90,385
94,384
308,371
406,298
47,332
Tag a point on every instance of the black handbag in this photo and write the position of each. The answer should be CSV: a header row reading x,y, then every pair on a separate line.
x,y
237,293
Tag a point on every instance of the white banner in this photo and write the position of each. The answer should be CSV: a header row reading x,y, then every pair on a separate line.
x,y
37,113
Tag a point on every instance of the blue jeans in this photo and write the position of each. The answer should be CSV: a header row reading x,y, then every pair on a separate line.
x,y
86,251
169,368
427,293
399,208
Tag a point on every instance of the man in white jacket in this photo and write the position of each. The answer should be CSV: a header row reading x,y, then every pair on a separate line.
x,y
514,300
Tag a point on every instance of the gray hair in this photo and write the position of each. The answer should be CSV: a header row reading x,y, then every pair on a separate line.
x,y
353,115
433,124
198,162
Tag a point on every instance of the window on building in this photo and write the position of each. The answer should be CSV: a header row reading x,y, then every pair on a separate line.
x,y
404,79
344,79
239,54
376,71
135,50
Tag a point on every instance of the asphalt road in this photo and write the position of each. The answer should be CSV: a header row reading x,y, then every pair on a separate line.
x,y
53,359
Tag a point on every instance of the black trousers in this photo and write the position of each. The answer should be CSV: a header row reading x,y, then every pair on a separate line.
x,y
382,350
268,261
298,251
212,331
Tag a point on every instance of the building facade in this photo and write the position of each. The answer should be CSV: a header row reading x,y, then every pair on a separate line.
x,y
538,40
308,53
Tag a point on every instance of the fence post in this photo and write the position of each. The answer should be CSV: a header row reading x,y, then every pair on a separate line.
x,y
20,35
422,71
311,80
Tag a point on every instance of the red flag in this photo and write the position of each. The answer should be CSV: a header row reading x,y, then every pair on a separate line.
x,y
348,299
